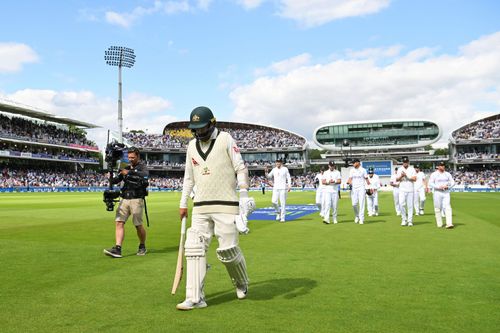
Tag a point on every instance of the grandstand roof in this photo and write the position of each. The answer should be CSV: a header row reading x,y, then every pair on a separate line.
x,y
490,118
231,125
28,111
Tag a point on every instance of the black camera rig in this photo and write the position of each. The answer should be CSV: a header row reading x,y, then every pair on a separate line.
x,y
114,153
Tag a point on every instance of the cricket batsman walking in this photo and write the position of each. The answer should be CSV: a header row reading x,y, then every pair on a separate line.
x,y
215,166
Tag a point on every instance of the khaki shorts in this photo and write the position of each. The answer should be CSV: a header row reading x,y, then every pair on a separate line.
x,y
129,207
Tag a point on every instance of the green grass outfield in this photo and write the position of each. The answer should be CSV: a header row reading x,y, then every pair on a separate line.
x,y
305,276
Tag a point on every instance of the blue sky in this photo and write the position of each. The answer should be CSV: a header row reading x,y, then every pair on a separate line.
x,y
294,64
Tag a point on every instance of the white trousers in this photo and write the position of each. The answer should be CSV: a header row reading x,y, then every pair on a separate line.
x,y
203,227
220,225
330,202
319,199
372,203
280,195
442,203
358,202
406,204
395,196
419,199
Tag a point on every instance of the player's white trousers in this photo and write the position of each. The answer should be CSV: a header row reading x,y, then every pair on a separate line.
x,y
330,203
395,196
442,202
358,203
203,228
319,199
280,195
372,203
419,199
406,205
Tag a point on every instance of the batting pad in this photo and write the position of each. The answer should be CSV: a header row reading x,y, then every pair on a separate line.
x,y
196,265
235,264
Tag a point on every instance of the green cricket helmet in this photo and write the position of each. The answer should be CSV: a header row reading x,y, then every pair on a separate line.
x,y
201,117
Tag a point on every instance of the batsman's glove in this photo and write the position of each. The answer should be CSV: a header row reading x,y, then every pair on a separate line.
x,y
247,206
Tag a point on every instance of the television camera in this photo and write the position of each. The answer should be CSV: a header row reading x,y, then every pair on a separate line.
x,y
114,153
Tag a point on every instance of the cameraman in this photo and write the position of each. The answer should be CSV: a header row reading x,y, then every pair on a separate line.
x,y
134,189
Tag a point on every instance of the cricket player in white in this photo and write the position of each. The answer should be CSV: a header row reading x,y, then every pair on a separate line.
x,y
357,179
395,191
420,190
215,166
406,177
319,192
373,198
331,180
282,183
441,182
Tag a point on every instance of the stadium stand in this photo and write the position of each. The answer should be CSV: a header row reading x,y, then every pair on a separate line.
x,y
165,153
32,141
476,145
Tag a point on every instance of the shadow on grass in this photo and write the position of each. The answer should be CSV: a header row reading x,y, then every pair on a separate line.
x,y
267,290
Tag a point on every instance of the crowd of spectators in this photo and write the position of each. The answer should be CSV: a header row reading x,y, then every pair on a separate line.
x,y
37,131
20,177
50,178
477,156
484,129
16,149
245,138
480,177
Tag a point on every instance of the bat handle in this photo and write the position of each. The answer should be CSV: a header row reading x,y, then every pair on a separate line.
x,y
183,226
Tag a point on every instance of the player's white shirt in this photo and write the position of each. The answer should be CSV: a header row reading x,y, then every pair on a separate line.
x,y
319,177
331,178
374,182
358,177
439,179
419,182
393,181
281,177
406,185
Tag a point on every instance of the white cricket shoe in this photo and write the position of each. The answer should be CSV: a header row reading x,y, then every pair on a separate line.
x,y
398,214
421,212
376,214
356,219
450,226
403,223
370,214
326,222
189,305
410,224
361,222
241,292
335,221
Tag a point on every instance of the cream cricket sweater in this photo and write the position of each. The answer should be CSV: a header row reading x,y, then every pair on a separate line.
x,y
214,177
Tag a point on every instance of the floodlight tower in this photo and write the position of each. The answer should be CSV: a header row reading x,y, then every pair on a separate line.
x,y
122,57
346,150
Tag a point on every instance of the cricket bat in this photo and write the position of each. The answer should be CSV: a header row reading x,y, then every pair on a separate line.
x,y
180,258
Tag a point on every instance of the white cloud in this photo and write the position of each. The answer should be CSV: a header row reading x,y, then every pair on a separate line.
x,y
14,55
250,4
312,13
171,7
451,89
285,65
140,111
